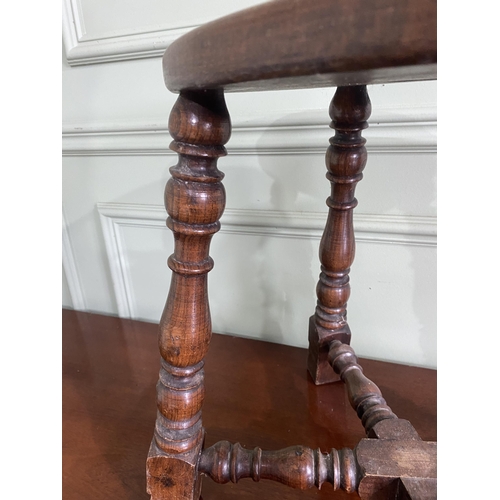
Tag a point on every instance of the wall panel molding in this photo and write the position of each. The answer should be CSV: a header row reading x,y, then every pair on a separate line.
x,y
123,47
117,258
128,30
120,48
390,229
71,270
414,131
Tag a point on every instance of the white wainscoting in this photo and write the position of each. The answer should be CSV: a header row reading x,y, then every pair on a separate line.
x,y
412,130
129,229
97,31
72,283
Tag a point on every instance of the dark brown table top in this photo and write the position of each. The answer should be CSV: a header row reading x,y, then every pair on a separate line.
x,y
257,393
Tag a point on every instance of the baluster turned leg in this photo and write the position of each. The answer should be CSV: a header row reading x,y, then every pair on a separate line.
x,y
195,200
345,160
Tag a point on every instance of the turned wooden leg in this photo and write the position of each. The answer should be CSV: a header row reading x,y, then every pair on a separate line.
x,y
195,200
345,160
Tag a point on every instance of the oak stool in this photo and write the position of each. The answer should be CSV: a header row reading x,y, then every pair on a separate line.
x,y
282,44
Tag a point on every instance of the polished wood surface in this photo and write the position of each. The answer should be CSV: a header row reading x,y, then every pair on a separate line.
x,y
297,466
278,45
303,43
195,199
345,160
257,394
365,397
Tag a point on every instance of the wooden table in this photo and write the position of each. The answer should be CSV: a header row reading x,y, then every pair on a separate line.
x,y
257,393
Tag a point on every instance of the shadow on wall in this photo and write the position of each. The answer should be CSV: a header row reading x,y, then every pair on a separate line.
x,y
288,286
403,323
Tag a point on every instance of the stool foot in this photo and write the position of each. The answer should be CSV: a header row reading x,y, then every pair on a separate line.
x,y
172,477
317,360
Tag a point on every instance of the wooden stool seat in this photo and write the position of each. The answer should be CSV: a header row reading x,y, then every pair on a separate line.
x,y
282,44
303,43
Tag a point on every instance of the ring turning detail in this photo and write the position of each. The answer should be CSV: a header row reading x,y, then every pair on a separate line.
x,y
347,44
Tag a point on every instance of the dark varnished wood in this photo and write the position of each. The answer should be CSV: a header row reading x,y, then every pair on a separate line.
x,y
300,44
257,393
384,463
194,199
397,454
345,160
296,466
375,469
277,45
364,395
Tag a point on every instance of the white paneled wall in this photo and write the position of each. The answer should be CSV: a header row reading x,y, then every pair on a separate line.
x,y
115,166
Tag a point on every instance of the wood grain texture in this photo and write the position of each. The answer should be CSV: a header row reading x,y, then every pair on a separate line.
x,y
297,466
374,469
365,397
299,44
417,489
195,200
383,463
257,393
345,160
